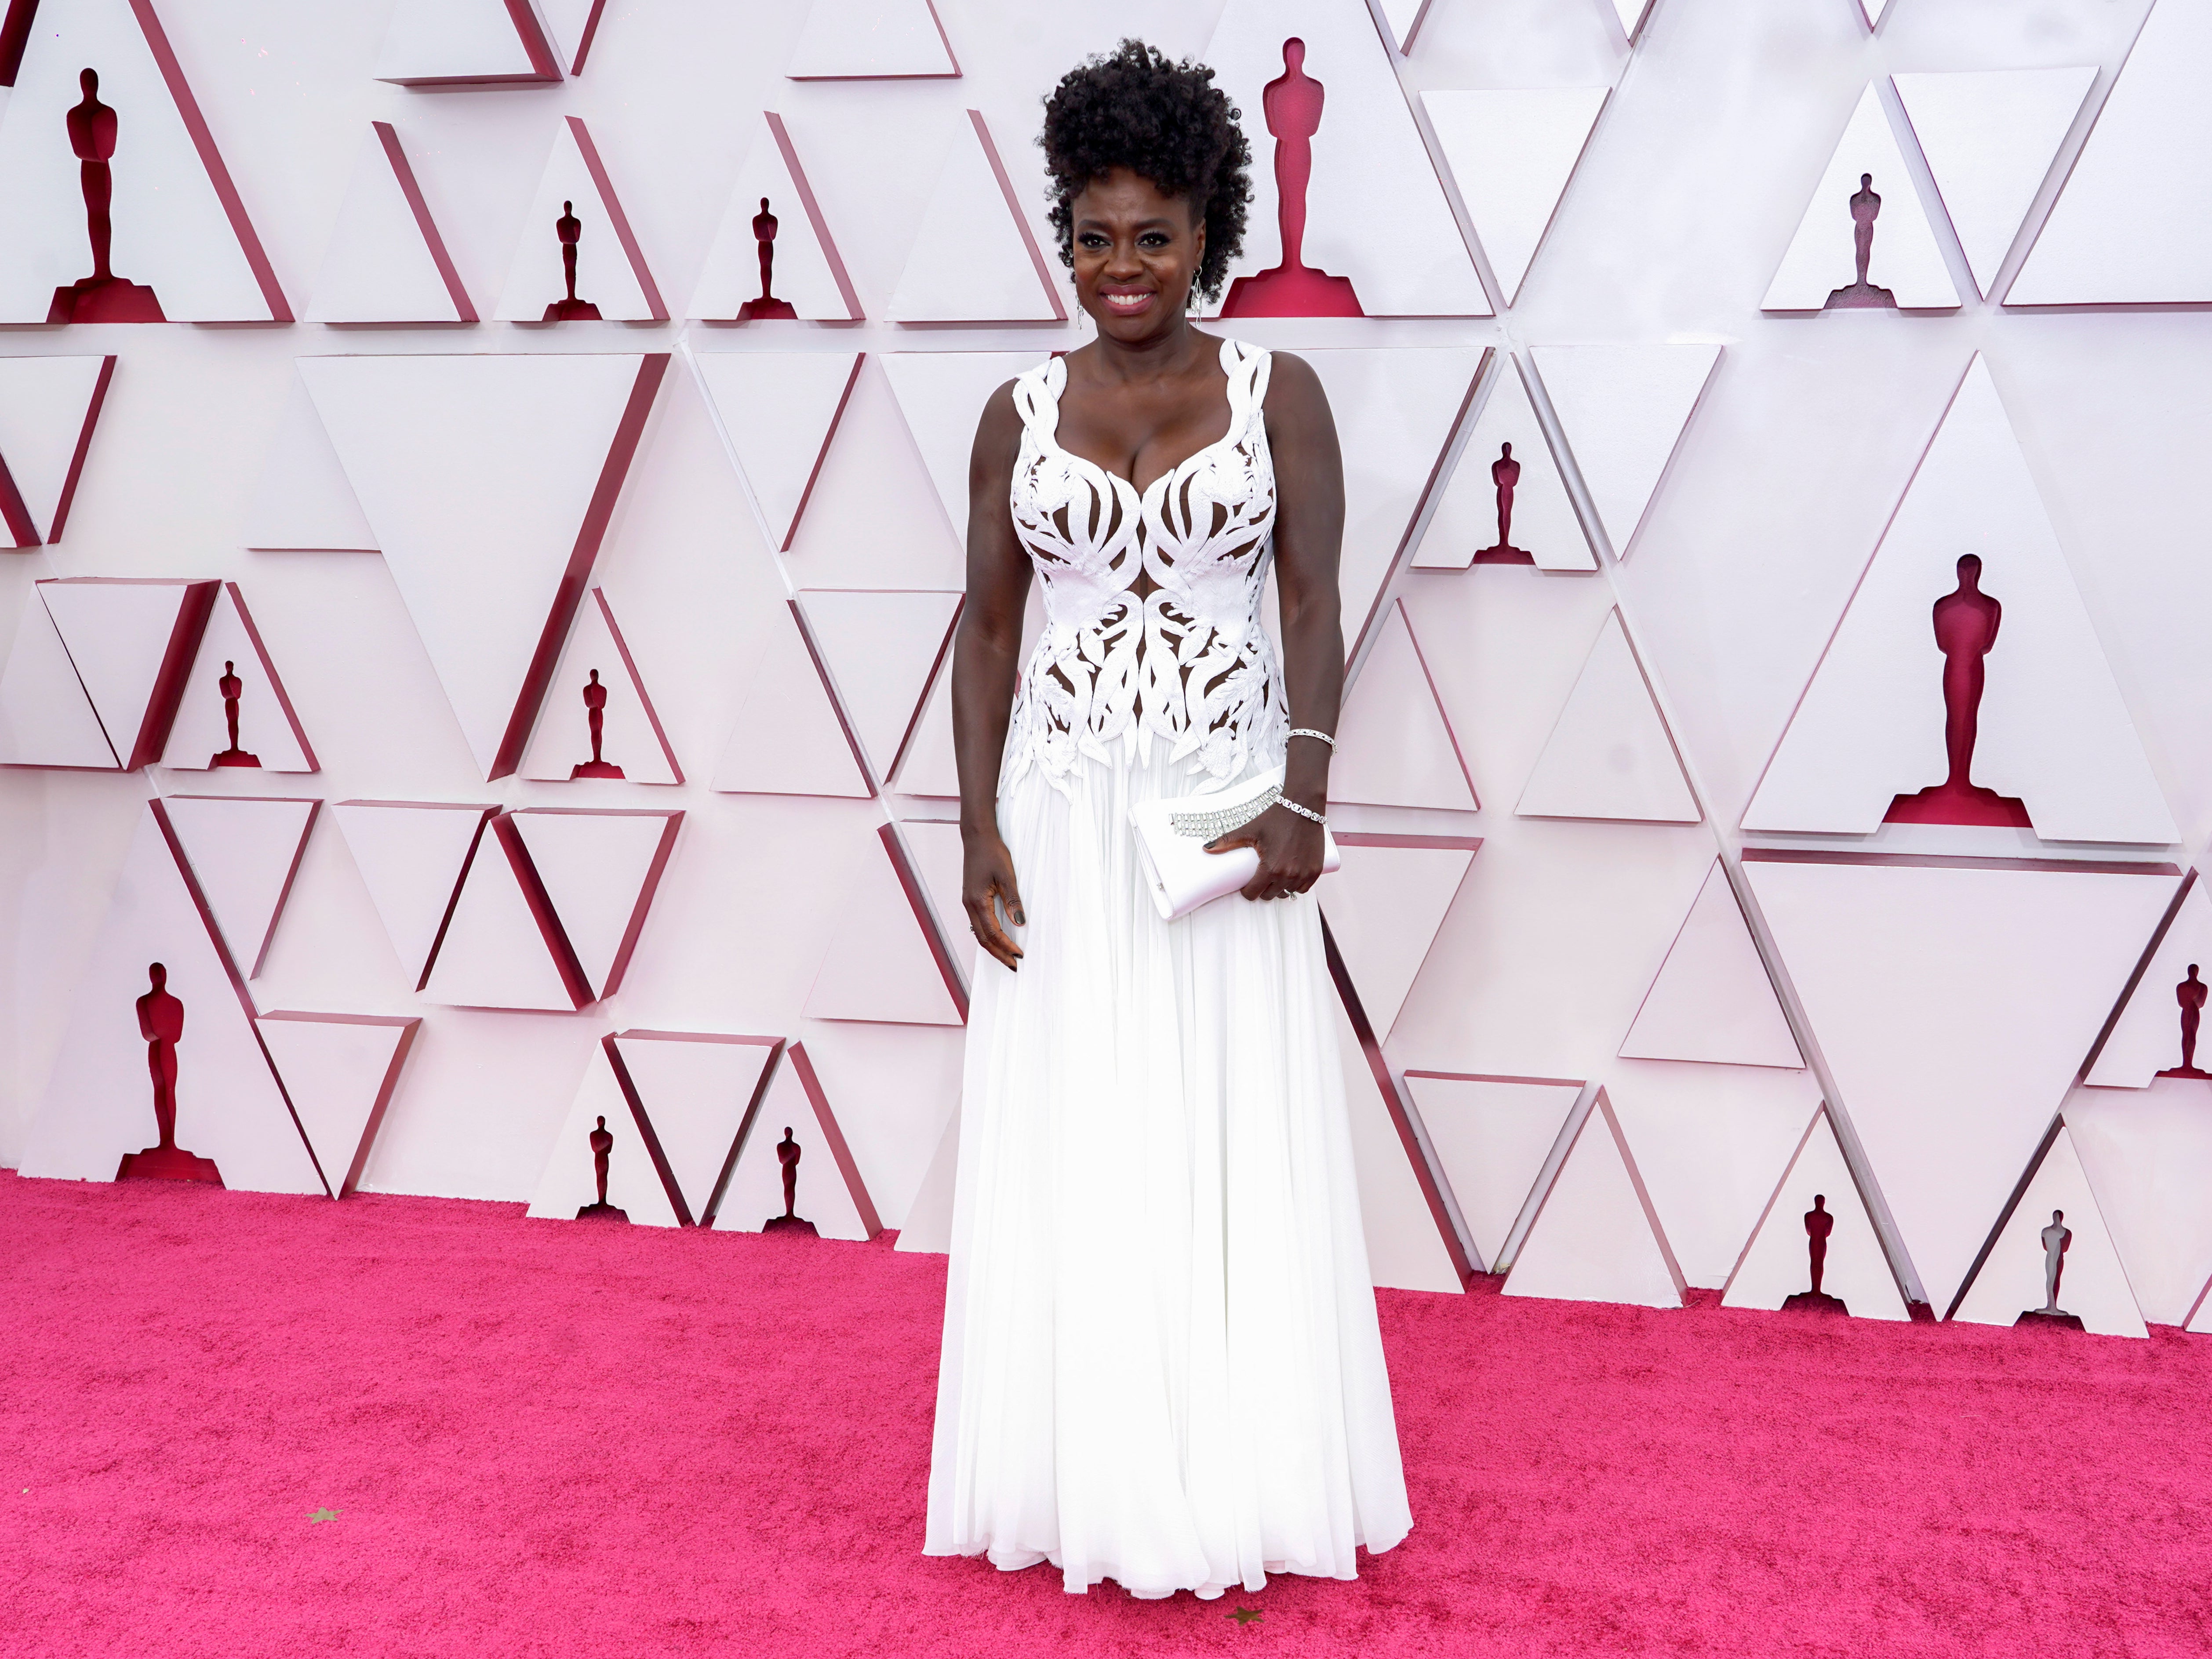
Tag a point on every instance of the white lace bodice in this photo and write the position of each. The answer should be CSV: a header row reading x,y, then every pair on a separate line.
x,y
1188,664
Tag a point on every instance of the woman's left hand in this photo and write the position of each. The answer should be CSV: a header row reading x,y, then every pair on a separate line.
x,y
1291,851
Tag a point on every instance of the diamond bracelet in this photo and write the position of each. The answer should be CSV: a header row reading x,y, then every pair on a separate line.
x,y
1308,731
1207,825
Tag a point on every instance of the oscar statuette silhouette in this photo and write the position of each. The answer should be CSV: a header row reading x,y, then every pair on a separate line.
x,y
603,1147
1862,295
232,688
2190,994
1965,622
1292,104
788,1155
2057,1239
1820,1223
1504,476
102,297
571,230
161,1023
595,711
768,306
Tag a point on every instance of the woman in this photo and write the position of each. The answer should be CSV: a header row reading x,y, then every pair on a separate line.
x,y
1161,1363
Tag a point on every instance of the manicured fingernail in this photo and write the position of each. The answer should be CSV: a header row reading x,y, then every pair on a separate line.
x,y
1020,920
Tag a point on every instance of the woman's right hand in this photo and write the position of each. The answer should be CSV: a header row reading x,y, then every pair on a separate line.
x,y
988,880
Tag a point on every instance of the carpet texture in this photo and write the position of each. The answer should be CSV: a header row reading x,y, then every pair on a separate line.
x,y
529,1439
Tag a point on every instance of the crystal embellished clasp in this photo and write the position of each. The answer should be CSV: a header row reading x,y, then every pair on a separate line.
x,y
1205,826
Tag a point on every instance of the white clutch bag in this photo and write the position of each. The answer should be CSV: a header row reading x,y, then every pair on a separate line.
x,y
1172,834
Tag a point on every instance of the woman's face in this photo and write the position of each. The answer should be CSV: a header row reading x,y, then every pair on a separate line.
x,y
1136,251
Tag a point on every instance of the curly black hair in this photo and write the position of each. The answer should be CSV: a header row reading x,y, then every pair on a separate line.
x,y
1165,122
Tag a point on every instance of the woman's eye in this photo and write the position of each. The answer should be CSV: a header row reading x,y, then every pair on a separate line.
x,y
1156,238
1091,239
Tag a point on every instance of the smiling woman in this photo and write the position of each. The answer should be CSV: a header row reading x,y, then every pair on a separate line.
x,y
1160,1361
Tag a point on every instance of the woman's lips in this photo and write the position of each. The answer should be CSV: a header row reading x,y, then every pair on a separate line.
x,y
1126,304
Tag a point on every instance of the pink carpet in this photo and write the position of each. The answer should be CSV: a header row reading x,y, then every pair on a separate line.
x,y
533,1439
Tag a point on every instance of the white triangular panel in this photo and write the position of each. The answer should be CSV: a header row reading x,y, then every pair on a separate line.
x,y
1377,214
1395,747
976,259
1595,1239
931,766
1511,152
1989,137
1544,524
244,852
881,647
1609,754
1777,1263
452,43
1632,14
1623,410
2126,229
805,270
304,498
630,734
45,719
942,394
610,270
486,480
1953,1004
2093,1285
696,1089
871,41
98,1106
2149,1157
2054,730
1711,1000
411,855
1384,908
928,1228
179,227
339,1072
1491,1134
787,738
600,871
880,965
268,727
570,1180
1395,412
496,953
126,638
822,1192
48,406
1904,256
386,262
2146,1040
1872,10
780,410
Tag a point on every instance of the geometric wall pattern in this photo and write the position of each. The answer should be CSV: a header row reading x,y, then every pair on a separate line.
x,y
1709,845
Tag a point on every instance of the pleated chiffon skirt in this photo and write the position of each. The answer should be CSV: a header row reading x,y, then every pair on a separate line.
x,y
1161,1363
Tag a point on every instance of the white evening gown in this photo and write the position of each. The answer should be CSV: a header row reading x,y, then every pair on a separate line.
x,y
1161,1363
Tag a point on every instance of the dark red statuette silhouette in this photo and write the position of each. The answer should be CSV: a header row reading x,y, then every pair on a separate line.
x,y
102,297
1965,622
161,1023
768,306
603,1146
1862,295
1291,103
232,688
2191,993
595,710
571,230
1820,1222
2057,1239
1506,474
788,1155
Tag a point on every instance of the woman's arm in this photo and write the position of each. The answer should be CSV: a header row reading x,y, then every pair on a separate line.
x,y
1308,536
986,664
